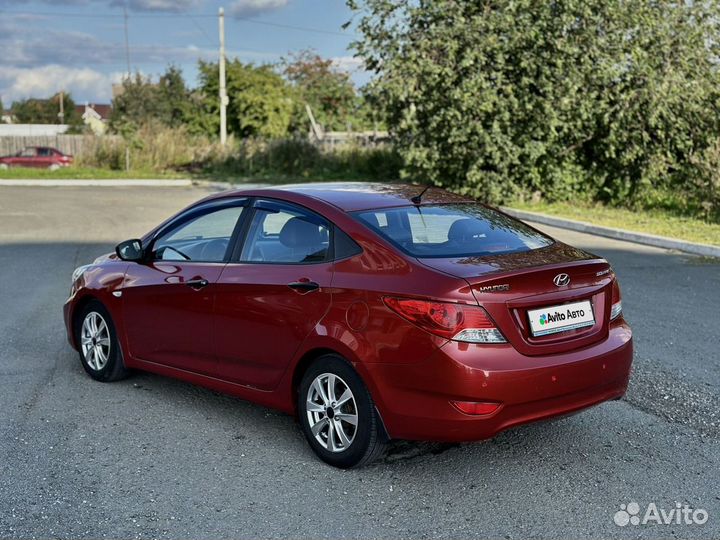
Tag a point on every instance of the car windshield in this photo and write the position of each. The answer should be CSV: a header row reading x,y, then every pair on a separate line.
x,y
452,230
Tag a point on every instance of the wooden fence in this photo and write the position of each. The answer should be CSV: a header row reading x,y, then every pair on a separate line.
x,y
75,145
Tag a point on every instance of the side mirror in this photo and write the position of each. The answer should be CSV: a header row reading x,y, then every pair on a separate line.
x,y
130,250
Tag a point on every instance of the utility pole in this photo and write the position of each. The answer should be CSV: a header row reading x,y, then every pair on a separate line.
x,y
61,114
223,89
127,40
127,59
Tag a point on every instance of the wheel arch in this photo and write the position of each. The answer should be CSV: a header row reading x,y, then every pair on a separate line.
x,y
307,359
302,365
77,309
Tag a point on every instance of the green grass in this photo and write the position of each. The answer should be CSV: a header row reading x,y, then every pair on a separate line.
x,y
83,173
659,222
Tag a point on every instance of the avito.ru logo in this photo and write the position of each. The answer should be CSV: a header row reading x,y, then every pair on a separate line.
x,y
681,514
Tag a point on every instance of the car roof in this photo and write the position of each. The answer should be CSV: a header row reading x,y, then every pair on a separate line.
x,y
353,196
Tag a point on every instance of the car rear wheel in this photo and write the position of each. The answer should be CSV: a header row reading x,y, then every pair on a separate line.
x,y
338,415
100,353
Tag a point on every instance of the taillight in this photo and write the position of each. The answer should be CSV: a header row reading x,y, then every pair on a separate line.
x,y
616,309
458,322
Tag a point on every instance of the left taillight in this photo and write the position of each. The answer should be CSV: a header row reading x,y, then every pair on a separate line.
x,y
616,306
459,322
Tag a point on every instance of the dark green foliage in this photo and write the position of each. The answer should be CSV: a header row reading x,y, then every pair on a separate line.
x,y
167,102
612,100
260,101
45,111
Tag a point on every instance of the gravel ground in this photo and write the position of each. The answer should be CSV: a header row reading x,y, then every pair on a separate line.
x,y
151,457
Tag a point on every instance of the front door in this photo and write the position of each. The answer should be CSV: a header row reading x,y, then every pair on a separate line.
x,y
272,296
26,158
168,301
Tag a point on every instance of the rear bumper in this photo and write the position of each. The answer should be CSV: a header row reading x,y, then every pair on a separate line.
x,y
414,399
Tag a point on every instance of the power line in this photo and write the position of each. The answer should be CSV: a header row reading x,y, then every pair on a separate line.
x,y
300,28
179,16
202,30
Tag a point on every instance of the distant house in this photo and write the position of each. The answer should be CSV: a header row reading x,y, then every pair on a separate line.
x,y
95,116
6,117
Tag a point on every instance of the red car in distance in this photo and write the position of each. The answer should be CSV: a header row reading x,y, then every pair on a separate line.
x,y
41,157
369,311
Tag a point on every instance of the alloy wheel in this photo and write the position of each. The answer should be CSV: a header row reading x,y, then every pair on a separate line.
x,y
332,412
95,341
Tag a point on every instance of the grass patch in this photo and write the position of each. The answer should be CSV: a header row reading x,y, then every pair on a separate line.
x,y
83,173
659,222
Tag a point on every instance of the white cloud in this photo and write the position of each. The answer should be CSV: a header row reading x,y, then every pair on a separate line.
x,y
250,8
175,6
349,64
42,82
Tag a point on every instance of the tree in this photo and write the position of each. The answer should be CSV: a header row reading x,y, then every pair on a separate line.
x,y
142,101
608,98
46,111
329,92
176,106
260,101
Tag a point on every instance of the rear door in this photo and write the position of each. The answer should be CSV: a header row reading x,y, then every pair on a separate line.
x,y
273,293
45,158
168,301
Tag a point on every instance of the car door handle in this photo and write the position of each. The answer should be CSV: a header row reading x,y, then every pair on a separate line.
x,y
304,286
197,283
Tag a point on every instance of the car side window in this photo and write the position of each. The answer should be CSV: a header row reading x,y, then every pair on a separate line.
x,y
203,239
44,152
286,235
28,152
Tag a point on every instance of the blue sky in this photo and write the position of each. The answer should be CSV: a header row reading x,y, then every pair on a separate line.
x,y
79,45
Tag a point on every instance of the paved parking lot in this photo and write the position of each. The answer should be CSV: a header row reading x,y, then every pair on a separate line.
x,y
152,457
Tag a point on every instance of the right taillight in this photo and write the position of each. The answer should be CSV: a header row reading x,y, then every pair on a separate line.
x,y
616,307
459,322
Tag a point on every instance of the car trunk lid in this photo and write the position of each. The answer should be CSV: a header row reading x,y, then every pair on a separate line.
x,y
512,285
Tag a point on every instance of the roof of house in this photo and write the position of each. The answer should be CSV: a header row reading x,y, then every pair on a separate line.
x,y
104,110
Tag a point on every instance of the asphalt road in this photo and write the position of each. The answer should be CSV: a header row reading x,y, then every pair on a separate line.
x,y
151,457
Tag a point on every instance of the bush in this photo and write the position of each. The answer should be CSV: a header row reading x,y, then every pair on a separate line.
x,y
298,159
597,99
153,147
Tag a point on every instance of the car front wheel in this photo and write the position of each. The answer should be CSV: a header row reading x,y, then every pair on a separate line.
x,y
337,414
100,353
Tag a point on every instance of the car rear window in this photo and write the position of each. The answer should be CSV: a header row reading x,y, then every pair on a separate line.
x,y
452,230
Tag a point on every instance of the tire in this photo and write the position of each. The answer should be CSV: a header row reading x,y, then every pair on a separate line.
x,y
320,415
4,167
98,346
54,167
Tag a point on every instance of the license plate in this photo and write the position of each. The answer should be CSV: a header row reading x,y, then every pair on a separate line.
x,y
553,319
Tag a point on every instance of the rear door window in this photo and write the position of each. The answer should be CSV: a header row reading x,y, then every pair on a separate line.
x,y
285,234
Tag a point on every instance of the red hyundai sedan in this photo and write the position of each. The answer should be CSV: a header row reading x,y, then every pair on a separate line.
x,y
372,312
